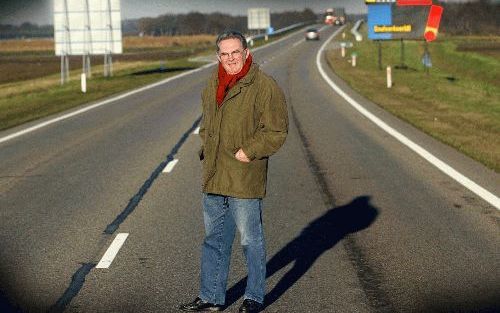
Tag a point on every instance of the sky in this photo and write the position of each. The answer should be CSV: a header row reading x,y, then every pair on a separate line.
x,y
40,11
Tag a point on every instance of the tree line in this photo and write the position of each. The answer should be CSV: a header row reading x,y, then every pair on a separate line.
x,y
214,23
466,18
471,18
25,30
170,24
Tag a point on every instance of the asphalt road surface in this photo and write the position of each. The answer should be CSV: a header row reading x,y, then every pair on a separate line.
x,y
355,221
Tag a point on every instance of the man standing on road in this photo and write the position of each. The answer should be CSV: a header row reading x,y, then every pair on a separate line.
x,y
244,122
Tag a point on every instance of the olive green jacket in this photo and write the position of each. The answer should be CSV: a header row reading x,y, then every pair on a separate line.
x,y
253,117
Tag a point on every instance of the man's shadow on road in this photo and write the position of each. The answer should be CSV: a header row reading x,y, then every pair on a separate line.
x,y
319,236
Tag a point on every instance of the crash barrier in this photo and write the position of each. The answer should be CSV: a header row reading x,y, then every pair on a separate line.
x,y
277,32
355,32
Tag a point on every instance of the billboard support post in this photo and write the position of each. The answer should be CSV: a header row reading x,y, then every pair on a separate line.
x,y
427,56
86,65
64,69
66,46
402,54
89,71
66,63
108,65
402,65
379,54
105,66
87,42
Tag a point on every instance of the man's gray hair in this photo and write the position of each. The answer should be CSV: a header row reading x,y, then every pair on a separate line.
x,y
231,34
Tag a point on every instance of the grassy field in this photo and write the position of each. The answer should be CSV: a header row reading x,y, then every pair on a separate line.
x,y
38,59
25,101
30,81
129,43
457,101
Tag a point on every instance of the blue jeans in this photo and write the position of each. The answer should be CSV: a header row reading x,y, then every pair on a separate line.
x,y
222,215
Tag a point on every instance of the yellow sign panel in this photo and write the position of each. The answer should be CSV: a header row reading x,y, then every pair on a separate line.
x,y
392,28
379,1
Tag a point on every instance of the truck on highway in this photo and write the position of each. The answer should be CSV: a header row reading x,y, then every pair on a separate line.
x,y
335,16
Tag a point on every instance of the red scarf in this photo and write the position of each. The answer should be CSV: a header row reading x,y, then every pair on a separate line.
x,y
227,81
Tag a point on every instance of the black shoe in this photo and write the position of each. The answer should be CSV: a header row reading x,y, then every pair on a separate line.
x,y
199,305
251,306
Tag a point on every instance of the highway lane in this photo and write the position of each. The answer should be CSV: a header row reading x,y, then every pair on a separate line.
x,y
63,184
434,244
355,221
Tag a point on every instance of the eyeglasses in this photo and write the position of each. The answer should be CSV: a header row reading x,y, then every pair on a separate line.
x,y
233,55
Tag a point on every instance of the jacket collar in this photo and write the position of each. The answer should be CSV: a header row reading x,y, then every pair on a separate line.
x,y
245,81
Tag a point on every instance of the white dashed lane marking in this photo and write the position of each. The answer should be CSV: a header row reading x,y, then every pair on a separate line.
x,y
170,166
112,251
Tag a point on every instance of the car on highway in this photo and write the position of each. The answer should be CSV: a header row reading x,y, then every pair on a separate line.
x,y
312,34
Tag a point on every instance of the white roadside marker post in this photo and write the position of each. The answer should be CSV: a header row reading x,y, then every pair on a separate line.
x,y
389,77
84,82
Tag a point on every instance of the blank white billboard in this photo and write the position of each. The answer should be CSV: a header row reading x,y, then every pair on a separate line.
x,y
259,18
87,27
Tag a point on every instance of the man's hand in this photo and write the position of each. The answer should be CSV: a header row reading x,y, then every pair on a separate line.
x,y
241,156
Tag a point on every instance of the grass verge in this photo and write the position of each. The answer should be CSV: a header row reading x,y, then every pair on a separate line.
x,y
457,101
24,101
30,85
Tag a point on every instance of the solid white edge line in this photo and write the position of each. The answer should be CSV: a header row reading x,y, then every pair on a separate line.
x,y
445,168
88,108
170,166
96,105
112,251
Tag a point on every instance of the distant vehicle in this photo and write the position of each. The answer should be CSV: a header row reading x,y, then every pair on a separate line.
x,y
335,16
312,34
